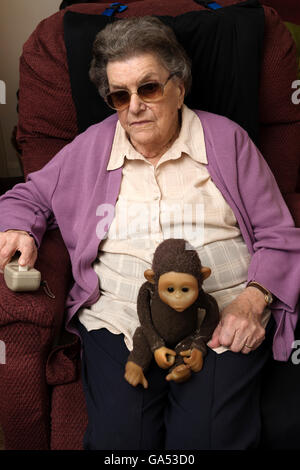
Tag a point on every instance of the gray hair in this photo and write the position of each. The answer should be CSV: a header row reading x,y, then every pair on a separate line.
x,y
132,37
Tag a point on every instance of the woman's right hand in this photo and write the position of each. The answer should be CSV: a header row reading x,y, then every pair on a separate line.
x,y
17,240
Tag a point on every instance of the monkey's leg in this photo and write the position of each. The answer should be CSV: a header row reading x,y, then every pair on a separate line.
x,y
180,372
138,360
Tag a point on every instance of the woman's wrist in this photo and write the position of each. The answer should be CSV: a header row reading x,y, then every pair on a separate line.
x,y
267,294
256,299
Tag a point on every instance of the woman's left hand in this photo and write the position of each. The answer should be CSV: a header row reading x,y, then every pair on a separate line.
x,y
240,327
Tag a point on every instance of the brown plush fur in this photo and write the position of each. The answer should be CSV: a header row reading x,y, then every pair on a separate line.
x,y
161,325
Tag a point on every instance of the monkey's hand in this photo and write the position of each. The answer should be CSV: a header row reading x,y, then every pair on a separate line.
x,y
134,374
164,357
193,358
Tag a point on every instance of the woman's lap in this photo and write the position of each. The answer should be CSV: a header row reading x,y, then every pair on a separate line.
x,y
218,408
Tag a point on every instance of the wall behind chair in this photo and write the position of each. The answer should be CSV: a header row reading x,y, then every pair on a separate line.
x,y
18,18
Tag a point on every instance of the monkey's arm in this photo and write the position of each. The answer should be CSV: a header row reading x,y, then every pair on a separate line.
x,y
207,324
144,314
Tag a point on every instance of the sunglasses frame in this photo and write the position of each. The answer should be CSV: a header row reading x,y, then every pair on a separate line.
x,y
121,108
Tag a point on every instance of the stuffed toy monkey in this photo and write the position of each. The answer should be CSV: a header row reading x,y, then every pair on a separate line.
x,y
177,318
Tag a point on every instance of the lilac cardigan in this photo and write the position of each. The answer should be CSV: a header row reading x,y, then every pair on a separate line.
x,y
71,191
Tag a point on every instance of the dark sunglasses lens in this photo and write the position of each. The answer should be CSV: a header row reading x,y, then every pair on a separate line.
x,y
150,91
118,99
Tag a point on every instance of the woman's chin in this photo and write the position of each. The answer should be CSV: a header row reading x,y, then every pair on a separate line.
x,y
142,138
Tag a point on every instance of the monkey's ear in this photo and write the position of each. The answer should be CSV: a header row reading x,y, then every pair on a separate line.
x,y
206,272
149,275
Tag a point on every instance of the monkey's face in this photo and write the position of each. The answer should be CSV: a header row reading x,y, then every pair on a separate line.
x,y
178,290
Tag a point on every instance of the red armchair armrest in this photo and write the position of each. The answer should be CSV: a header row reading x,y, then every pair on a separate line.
x,y
29,329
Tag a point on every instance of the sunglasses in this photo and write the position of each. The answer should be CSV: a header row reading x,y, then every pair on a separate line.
x,y
148,92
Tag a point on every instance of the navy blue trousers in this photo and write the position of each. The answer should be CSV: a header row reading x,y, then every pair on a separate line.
x,y
217,408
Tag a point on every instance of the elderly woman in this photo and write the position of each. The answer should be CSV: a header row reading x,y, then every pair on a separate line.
x,y
157,170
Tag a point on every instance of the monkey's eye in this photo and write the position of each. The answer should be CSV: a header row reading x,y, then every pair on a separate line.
x,y
185,289
170,289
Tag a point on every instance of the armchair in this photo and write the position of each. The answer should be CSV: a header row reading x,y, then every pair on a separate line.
x,y
41,399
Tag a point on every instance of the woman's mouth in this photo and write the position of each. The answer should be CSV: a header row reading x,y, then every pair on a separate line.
x,y
139,123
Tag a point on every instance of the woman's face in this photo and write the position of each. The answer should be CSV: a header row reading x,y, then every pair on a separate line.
x,y
149,126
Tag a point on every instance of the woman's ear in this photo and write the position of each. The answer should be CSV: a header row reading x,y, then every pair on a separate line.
x,y
149,275
181,94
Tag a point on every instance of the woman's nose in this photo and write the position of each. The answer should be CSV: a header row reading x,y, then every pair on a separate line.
x,y
136,104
